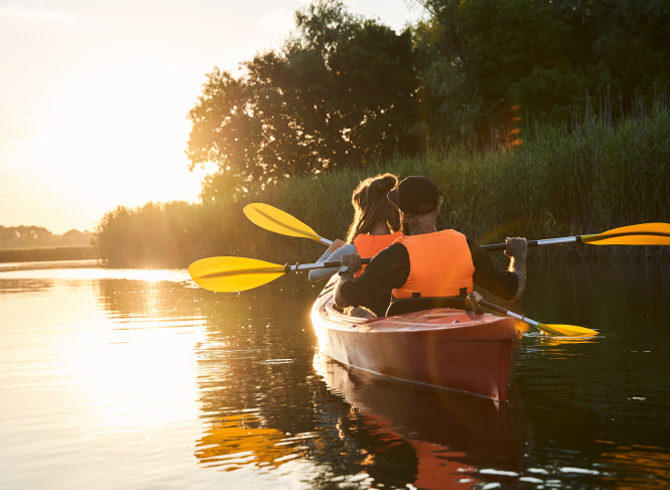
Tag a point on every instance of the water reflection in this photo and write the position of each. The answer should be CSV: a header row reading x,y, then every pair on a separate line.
x,y
18,286
598,295
146,382
539,345
637,466
438,438
235,441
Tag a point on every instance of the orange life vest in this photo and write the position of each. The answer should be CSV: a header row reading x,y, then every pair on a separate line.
x,y
440,265
370,245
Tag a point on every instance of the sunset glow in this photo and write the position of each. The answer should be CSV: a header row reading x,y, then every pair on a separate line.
x,y
95,97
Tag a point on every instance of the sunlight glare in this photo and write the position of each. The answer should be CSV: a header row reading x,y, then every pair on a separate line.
x,y
114,133
138,372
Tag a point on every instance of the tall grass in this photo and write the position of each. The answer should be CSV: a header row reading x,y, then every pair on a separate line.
x,y
588,176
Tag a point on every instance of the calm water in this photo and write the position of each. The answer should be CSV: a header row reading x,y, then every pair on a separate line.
x,y
137,380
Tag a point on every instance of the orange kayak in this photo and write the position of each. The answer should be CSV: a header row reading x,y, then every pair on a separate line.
x,y
444,348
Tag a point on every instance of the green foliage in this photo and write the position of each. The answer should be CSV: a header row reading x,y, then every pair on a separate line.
x,y
591,175
345,91
478,58
471,55
339,95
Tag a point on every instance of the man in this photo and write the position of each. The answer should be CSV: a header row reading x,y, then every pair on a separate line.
x,y
428,263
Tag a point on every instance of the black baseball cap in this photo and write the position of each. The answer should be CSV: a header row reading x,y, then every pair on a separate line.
x,y
415,195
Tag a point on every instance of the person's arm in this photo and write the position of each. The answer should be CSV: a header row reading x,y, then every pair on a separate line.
x,y
507,284
334,252
351,263
387,270
517,248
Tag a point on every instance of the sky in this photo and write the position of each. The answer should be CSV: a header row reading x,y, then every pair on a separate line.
x,y
94,96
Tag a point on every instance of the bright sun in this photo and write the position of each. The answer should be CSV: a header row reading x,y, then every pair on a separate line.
x,y
116,135
110,129
95,97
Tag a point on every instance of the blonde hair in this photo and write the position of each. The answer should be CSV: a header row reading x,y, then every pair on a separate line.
x,y
372,207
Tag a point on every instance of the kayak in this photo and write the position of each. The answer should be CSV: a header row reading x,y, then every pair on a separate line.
x,y
443,347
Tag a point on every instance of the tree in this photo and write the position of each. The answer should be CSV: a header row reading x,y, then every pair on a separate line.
x,y
474,52
479,58
341,93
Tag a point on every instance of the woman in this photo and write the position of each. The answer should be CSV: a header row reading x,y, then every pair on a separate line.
x,y
375,226
376,223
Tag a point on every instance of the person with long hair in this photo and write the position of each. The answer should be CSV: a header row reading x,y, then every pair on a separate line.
x,y
374,214
375,226
376,223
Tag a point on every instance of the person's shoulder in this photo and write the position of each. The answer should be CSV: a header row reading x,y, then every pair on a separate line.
x,y
396,249
397,245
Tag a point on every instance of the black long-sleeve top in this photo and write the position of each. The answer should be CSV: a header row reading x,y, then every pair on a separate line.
x,y
389,269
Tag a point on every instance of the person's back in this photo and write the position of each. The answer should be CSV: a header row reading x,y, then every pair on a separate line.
x,y
441,265
428,263
370,245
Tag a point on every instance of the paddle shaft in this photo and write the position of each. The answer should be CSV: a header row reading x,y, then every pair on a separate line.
x,y
536,243
279,221
502,310
276,268
318,265
641,234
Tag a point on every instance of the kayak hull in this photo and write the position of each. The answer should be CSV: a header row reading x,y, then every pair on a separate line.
x,y
443,348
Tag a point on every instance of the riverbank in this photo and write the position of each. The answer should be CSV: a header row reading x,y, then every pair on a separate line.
x,y
585,177
41,254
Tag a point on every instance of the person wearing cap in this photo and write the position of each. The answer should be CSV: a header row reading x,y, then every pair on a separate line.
x,y
427,263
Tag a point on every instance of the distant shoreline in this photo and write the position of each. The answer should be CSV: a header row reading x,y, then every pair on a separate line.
x,y
43,254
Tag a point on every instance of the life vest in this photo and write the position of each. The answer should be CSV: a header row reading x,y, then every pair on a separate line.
x,y
440,265
371,245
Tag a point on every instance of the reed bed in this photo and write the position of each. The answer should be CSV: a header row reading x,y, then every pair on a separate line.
x,y
586,176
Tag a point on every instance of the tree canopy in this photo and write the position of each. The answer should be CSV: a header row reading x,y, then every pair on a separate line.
x,y
339,94
479,58
344,91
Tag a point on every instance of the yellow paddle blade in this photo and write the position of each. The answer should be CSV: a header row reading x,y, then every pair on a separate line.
x,y
233,274
278,221
642,234
566,330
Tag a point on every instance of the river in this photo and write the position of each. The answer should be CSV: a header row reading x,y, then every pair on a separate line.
x,y
135,379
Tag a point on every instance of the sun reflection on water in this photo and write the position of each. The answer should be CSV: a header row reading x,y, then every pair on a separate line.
x,y
127,366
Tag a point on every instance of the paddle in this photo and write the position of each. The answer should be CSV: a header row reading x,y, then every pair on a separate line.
x,y
235,274
276,220
642,234
552,329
